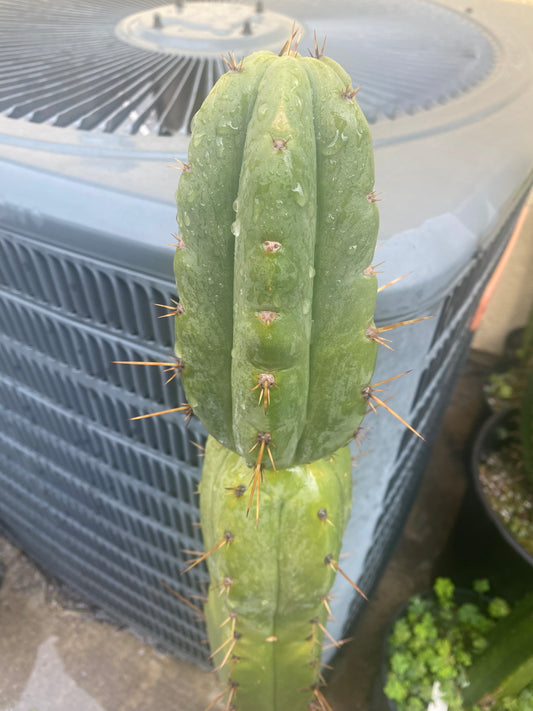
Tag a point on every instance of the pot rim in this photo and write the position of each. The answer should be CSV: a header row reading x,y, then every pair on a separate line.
x,y
488,426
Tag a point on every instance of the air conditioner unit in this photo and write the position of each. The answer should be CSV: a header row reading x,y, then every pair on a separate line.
x,y
96,99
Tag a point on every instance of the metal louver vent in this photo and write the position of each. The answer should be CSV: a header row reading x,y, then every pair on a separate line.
x,y
85,65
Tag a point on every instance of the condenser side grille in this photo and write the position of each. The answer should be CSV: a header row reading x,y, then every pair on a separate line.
x,y
104,503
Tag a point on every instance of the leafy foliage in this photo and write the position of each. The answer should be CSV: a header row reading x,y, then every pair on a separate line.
x,y
435,641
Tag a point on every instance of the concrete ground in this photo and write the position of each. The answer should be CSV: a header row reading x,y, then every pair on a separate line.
x,y
57,655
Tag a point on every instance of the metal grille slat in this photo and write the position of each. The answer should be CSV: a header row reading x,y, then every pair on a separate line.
x,y
81,74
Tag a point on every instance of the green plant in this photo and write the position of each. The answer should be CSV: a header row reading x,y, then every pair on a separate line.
x,y
505,387
526,425
476,650
276,347
275,335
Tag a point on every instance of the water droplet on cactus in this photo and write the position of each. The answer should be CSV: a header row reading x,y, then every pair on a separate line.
x,y
198,138
333,146
236,204
236,228
301,198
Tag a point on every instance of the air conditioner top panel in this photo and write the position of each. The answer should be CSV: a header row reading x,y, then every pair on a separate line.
x,y
446,172
137,67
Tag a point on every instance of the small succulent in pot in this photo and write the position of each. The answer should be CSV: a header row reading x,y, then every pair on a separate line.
x,y
443,646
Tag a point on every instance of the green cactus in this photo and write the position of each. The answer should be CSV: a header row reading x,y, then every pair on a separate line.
x,y
268,600
277,346
278,224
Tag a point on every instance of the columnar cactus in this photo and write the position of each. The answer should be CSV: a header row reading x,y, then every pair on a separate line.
x,y
277,345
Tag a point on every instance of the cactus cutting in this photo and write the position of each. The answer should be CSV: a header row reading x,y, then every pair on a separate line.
x,y
276,345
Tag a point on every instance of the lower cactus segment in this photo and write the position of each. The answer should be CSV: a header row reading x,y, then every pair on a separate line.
x,y
268,599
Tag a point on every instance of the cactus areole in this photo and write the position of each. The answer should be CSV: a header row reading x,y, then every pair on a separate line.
x,y
277,228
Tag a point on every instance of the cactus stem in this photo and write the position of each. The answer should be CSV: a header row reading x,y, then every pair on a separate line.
x,y
373,196
267,317
226,540
231,62
237,491
180,244
371,269
394,281
266,382
349,93
175,310
318,54
329,561
183,599
358,435
323,516
186,409
185,167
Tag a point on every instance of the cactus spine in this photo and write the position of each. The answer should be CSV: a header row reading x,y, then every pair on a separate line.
x,y
275,333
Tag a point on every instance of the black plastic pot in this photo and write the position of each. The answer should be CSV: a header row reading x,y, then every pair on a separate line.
x,y
485,443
